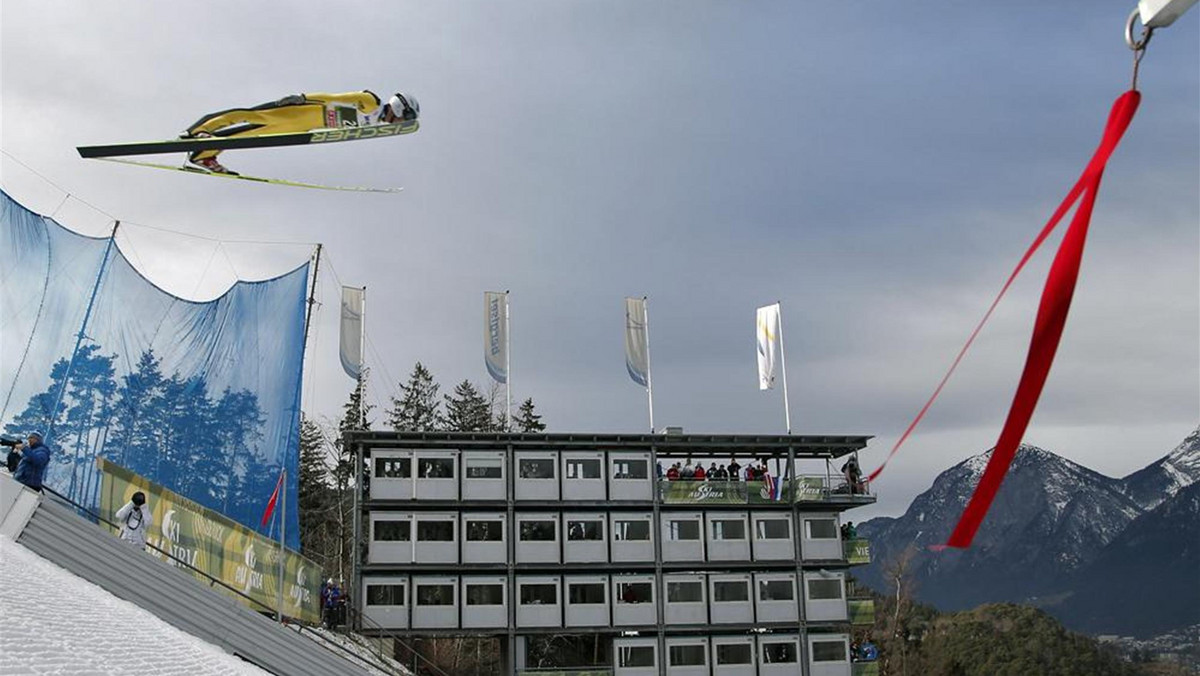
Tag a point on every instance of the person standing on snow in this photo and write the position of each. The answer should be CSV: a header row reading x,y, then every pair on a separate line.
x,y
297,113
135,519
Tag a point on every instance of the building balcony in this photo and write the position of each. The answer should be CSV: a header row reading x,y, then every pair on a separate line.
x,y
805,488
831,488
857,551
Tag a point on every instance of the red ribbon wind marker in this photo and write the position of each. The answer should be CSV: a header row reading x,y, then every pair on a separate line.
x,y
1048,328
266,518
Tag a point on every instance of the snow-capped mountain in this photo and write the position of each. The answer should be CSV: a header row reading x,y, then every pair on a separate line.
x,y
1051,519
1161,479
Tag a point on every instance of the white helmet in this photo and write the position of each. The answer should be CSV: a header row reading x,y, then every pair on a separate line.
x,y
405,106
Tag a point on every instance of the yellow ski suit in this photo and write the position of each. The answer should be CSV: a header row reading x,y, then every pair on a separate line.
x,y
296,113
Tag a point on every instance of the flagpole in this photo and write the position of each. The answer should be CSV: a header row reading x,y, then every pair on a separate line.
x,y
649,378
362,360
507,364
787,411
282,527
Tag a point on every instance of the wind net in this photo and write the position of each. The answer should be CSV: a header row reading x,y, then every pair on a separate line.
x,y
201,397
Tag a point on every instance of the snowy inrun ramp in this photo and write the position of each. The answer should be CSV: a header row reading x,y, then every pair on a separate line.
x,y
61,537
59,623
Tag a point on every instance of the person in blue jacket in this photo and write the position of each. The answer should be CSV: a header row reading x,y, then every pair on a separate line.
x,y
34,457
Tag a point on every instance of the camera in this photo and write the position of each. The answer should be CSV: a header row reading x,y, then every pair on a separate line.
x,y
6,440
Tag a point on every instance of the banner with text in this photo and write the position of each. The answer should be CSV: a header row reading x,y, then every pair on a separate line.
x,y
684,492
351,334
216,545
495,335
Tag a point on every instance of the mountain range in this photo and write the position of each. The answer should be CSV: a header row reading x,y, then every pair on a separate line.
x,y
1103,555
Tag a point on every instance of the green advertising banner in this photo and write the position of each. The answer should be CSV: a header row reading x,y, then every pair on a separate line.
x,y
684,492
865,669
857,551
216,545
862,611
809,488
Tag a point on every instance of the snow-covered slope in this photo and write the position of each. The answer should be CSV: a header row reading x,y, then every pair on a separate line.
x,y
53,622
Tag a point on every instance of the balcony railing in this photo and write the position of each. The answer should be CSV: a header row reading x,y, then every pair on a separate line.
x,y
833,488
857,551
805,488
865,669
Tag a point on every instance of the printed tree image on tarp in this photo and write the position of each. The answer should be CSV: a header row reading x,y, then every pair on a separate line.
x,y
201,397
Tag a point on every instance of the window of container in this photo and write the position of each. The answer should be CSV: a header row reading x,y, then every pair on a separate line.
x,y
583,468
392,531
385,595
393,468
585,593
535,468
731,590
538,531
824,590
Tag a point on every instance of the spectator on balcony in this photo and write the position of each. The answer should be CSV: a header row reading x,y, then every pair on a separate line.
x,y
673,473
735,470
717,473
688,472
849,532
658,470
853,475
700,473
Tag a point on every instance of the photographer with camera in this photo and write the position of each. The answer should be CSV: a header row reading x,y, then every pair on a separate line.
x,y
135,519
30,460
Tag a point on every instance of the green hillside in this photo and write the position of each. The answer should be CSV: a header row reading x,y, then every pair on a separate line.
x,y
999,639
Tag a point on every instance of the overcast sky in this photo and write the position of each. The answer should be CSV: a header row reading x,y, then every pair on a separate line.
x,y
878,167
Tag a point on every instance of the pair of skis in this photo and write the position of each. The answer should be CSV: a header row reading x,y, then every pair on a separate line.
x,y
117,153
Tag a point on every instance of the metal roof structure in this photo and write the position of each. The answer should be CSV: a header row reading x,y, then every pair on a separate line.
x,y
805,446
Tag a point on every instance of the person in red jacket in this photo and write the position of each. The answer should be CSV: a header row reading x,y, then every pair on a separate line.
x,y
699,472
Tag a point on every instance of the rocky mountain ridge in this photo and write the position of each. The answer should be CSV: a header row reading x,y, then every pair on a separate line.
x,y
1047,537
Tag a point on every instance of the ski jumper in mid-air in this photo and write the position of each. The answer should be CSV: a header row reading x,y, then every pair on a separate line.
x,y
298,113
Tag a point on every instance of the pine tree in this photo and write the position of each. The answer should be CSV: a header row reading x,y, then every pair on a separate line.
x,y
355,416
346,479
467,410
500,420
417,410
527,420
315,498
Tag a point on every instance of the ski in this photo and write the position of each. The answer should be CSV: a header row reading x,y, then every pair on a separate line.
x,y
256,179
316,136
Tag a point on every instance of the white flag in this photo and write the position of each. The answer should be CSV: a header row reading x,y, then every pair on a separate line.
x,y
637,341
351,339
768,339
495,334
